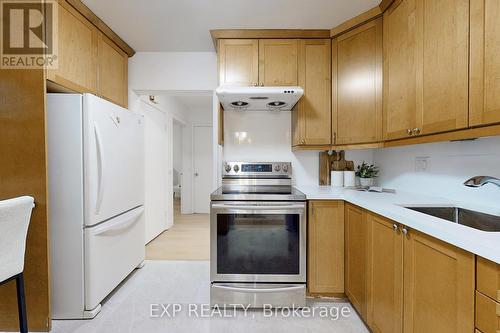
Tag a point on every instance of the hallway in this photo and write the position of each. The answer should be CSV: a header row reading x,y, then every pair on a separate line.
x,y
188,239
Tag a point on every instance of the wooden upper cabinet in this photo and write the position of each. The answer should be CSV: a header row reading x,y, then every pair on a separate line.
x,y
313,119
325,272
357,85
385,276
484,62
355,230
77,39
399,110
113,71
442,73
239,62
438,286
425,67
278,62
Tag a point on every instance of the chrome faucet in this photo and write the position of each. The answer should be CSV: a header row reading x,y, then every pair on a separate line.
x,y
479,181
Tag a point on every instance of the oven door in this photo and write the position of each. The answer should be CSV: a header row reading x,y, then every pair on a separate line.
x,y
258,241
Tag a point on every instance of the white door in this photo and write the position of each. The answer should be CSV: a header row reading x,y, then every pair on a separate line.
x,y
202,163
158,213
113,159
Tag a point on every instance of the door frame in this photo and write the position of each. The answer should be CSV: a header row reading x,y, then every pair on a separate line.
x,y
193,126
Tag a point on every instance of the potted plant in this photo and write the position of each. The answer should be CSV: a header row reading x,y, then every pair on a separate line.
x,y
367,174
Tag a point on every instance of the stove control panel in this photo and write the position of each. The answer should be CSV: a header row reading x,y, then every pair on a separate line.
x,y
258,169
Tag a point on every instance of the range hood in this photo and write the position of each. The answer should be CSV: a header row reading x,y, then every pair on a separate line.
x,y
259,98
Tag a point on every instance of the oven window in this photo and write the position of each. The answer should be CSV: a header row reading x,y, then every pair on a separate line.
x,y
258,244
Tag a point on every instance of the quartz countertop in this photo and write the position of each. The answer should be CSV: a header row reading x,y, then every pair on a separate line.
x,y
391,205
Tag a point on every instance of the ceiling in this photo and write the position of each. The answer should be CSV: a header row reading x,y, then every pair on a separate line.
x,y
183,25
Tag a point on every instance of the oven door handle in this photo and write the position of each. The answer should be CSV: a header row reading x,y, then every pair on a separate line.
x,y
258,290
258,207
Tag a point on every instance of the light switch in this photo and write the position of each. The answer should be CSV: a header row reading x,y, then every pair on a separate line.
x,y
421,163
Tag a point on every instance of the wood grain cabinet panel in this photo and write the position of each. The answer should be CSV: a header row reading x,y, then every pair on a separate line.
x,y
385,276
113,71
484,62
438,286
325,272
442,72
487,314
399,70
77,40
488,278
313,123
357,85
355,230
239,62
278,62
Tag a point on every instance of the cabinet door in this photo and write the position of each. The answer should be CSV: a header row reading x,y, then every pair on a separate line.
x,y
484,62
385,276
325,247
239,62
357,85
77,39
113,72
438,286
314,118
356,227
278,62
442,72
399,100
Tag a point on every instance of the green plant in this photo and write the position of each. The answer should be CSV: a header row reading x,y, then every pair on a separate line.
x,y
366,170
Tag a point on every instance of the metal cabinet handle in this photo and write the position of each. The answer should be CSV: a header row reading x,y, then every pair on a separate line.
x,y
255,84
302,141
416,131
404,231
409,131
395,227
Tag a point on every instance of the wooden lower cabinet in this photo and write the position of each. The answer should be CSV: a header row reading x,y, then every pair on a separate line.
x,y
325,255
487,314
438,286
355,230
414,283
488,278
385,275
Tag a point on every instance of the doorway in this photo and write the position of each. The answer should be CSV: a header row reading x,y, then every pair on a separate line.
x,y
202,166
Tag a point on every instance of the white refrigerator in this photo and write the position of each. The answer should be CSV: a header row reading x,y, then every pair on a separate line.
x,y
96,197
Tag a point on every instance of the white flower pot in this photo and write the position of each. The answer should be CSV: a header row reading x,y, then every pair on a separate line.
x,y
366,182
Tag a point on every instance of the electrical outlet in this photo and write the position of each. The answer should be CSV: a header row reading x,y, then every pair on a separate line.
x,y
422,163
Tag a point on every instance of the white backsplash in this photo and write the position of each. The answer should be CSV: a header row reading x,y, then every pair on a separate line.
x,y
266,136
447,164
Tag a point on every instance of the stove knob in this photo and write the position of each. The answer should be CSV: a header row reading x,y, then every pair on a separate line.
x,y
236,168
285,168
277,167
228,168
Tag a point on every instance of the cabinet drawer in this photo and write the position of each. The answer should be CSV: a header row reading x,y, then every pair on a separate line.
x,y
487,314
488,278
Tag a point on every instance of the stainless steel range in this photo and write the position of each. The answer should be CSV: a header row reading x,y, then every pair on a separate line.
x,y
258,237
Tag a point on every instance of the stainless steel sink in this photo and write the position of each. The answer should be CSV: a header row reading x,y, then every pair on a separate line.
x,y
469,218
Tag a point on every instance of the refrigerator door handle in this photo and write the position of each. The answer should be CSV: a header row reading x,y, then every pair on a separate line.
x,y
100,169
120,222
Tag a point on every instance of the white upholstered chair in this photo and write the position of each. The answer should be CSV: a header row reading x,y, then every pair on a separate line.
x,y
15,217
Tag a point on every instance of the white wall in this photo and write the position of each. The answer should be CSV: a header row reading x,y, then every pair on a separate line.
x,y
449,164
177,146
266,136
149,71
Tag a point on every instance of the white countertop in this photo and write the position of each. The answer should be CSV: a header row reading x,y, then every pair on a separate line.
x,y
390,205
